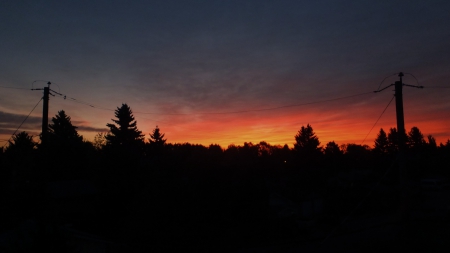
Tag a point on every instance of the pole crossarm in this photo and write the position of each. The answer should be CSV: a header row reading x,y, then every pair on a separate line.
x,y
409,85
414,86
383,88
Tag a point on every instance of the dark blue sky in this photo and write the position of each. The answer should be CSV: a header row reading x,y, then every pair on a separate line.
x,y
217,56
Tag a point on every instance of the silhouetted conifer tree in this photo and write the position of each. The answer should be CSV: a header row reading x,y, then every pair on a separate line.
x,y
381,143
392,140
306,141
61,132
20,160
21,143
415,138
64,151
431,143
157,143
444,149
156,138
124,149
124,132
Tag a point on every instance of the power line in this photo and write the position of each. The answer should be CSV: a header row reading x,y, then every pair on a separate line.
x,y
23,122
65,97
287,106
35,81
378,119
384,80
217,113
414,78
437,87
81,102
32,86
15,88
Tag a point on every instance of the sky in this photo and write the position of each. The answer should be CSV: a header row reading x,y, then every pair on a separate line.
x,y
227,72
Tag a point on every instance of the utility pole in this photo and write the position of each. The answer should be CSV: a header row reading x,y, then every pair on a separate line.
x,y
403,191
400,119
45,111
403,186
400,128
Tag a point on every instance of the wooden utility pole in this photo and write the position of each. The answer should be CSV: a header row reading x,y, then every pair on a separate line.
x,y
400,128
400,121
45,113
45,109
403,191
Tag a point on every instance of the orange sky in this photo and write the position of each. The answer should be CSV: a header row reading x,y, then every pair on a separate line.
x,y
178,57
344,121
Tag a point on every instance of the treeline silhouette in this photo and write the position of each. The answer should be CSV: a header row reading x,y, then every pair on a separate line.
x,y
141,192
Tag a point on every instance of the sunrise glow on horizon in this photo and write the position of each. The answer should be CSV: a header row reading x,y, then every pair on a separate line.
x,y
177,63
277,127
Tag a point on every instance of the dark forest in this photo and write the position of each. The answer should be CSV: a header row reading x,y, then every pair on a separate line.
x,y
129,191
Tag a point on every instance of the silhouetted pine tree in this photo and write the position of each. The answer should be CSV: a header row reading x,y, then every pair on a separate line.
x,y
415,138
306,142
21,143
124,133
19,160
62,133
381,143
64,152
156,144
124,149
392,140
156,138
432,145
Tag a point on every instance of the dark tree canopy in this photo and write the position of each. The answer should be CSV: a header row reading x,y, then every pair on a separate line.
x,y
381,143
21,143
99,141
332,149
393,140
156,138
432,142
356,150
62,132
142,188
306,141
415,138
62,127
265,149
157,142
215,148
124,132
445,146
